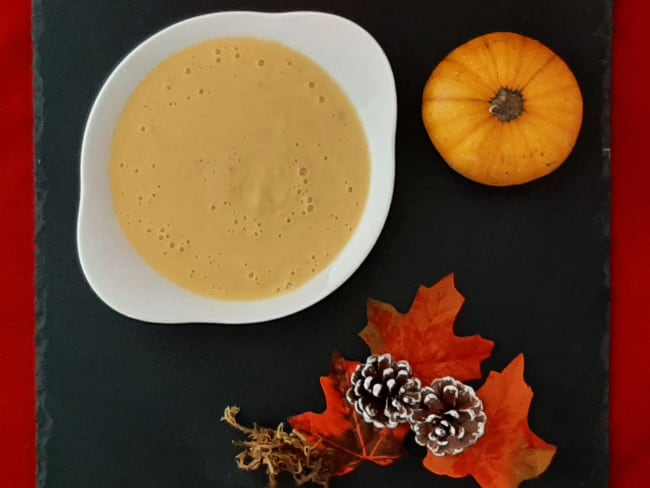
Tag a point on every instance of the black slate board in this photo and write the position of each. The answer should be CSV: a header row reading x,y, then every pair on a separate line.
x,y
125,404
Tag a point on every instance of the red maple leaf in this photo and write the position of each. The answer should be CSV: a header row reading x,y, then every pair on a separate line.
x,y
342,430
509,452
425,335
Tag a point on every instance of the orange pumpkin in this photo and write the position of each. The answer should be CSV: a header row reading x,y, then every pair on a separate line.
x,y
502,109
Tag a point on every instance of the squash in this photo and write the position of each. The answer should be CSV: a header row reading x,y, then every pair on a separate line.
x,y
502,109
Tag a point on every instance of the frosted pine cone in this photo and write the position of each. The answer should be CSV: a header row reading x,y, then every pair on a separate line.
x,y
383,391
450,417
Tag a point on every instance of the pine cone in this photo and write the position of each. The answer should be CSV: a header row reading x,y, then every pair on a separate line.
x,y
450,417
383,391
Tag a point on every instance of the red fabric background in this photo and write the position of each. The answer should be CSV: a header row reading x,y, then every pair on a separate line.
x,y
17,385
630,429
630,328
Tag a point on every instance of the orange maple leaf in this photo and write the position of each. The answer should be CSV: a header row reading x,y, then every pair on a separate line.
x,y
342,430
509,451
425,335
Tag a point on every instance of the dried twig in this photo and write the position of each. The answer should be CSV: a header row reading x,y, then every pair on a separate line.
x,y
280,452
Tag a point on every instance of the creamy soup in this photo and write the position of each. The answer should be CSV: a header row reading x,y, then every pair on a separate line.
x,y
239,169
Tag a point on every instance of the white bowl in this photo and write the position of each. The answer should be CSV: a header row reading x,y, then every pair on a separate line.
x,y
120,277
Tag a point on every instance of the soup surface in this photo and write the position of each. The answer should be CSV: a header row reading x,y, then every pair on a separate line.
x,y
239,169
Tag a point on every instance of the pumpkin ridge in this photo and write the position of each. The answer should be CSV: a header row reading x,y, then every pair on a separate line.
x,y
461,66
556,88
486,61
471,150
545,133
522,135
453,99
452,147
536,73
549,120
494,63
488,138
521,51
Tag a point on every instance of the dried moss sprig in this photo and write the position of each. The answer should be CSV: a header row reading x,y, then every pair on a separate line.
x,y
281,452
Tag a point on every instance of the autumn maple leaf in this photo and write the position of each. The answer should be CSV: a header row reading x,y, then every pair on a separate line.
x,y
425,335
509,451
343,431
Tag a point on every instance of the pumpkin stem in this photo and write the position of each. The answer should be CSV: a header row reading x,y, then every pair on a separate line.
x,y
507,104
